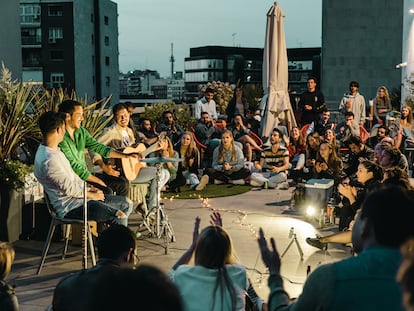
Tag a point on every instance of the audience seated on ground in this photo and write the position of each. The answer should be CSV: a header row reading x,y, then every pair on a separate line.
x,y
328,165
296,146
189,165
311,152
228,162
241,134
65,188
273,165
216,281
116,248
363,282
331,138
8,299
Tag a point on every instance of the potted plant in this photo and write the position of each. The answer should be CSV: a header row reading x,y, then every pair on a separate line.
x,y
20,105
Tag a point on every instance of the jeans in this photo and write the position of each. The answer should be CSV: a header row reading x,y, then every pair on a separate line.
x,y
149,175
105,211
192,178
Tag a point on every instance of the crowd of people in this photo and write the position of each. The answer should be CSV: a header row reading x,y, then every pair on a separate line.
x,y
369,173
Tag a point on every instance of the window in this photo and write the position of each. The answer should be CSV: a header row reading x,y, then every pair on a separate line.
x,y
107,81
106,40
92,18
31,36
106,20
55,33
107,60
56,55
55,10
57,79
29,13
93,60
92,39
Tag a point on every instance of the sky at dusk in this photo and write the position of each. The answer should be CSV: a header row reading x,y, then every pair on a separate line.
x,y
148,27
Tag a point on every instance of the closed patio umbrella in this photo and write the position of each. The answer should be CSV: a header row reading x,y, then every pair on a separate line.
x,y
275,106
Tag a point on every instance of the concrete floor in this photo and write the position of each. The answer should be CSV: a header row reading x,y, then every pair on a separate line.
x,y
243,215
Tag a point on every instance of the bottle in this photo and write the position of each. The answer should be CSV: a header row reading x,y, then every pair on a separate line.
x,y
322,218
266,185
332,216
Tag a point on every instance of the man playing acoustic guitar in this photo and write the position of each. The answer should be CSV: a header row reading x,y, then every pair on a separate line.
x,y
120,136
77,139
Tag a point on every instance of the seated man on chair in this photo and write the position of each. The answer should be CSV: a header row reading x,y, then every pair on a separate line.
x,y
64,187
74,143
120,136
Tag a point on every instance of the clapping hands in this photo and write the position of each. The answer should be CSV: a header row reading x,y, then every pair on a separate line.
x,y
271,256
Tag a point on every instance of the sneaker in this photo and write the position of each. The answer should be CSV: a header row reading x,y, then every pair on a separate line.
x,y
203,182
139,209
255,183
316,242
218,182
283,186
238,182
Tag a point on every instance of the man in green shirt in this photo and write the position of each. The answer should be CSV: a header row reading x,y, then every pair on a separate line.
x,y
77,139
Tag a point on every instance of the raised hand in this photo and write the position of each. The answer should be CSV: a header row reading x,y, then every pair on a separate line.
x,y
271,257
215,219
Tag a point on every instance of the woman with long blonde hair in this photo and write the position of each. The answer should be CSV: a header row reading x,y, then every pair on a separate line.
x,y
215,282
228,162
190,163
382,105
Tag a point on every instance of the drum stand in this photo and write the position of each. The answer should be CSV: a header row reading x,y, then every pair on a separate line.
x,y
292,237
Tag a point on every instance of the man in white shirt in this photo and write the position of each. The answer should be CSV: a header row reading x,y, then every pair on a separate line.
x,y
64,187
355,102
206,104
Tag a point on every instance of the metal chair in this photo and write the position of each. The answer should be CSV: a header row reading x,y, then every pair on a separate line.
x,y
63,221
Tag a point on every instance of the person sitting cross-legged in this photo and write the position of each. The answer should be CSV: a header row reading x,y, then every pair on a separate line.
x,y
64,187
273,164
363,282
228,162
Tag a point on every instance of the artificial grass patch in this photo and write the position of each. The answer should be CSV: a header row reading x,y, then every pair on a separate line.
x,y
210,191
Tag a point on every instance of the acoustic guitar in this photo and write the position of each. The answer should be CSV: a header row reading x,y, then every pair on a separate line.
x,y
132,166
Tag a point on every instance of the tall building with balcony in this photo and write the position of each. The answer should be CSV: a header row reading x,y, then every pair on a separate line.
x,y
10,51
71,44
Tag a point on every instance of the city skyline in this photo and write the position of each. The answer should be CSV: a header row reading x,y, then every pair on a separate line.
x,y
148,27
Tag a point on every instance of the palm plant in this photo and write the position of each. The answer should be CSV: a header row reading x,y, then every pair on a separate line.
x,y
20,106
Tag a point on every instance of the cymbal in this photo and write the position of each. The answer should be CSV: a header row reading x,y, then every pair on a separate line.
x,y
160,160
